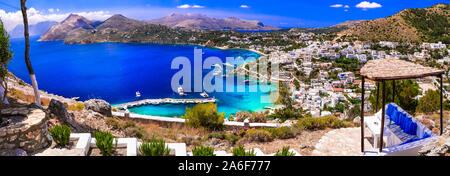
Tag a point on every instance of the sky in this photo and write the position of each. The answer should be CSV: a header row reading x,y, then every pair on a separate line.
x,y
281,13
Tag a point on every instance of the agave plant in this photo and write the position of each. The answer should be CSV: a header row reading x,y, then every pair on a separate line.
x,y
154,147
61,135
240,151
105,142
285,152
203,151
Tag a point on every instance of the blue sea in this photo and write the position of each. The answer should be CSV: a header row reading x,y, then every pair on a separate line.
x,y
115,71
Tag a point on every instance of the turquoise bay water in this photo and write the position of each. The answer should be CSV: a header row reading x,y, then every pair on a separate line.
x,y
115,71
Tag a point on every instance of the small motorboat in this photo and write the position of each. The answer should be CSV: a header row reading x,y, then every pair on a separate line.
x,y
181,91
75,98
138,94
204,94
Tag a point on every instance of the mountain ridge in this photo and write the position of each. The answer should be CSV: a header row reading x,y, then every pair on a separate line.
x,y
200,22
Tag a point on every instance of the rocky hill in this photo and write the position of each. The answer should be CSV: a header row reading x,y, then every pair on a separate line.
x,y
119,22
77,29
332,29
66,28
34,30
410,25
198,22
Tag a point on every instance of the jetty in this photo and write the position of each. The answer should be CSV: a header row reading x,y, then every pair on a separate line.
x,y
164,101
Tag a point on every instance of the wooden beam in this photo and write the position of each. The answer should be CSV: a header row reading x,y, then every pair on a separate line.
x,y
383,113
362,114
442,100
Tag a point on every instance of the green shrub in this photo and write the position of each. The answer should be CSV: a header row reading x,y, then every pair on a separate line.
x,y
240,151
240,116
61,135
135,131
154,147
285,152
281,132
230,137
104,142
258,135
258,117
204,115
320,123
111,121
203,151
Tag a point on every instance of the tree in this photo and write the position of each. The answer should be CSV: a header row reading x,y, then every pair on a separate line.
x,y
284,96
406,91
5,57
354,112
204,115
27,53
429,102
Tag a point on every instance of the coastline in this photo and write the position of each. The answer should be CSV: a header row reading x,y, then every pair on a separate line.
x,y
226,48
225,108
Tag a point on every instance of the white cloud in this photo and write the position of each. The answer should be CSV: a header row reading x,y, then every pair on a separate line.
x,y
245,6
368,5
336,5
187,6
12,19
197,6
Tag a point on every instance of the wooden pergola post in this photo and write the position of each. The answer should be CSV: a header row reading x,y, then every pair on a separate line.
x,y
362,113
378,95
393,91
383,113
442,110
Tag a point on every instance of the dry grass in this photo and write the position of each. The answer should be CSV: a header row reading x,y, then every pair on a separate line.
x,y
20,95
76,107
303,143
172,133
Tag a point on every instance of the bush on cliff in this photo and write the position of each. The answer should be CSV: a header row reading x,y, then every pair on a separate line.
x,y
204,115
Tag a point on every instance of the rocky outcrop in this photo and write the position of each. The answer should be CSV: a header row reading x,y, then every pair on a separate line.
x,y
59,109
439,146
100,106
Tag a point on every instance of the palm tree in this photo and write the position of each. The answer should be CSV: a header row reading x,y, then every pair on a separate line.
x,y
27,54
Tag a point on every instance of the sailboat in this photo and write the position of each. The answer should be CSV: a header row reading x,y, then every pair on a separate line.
x,y
138,94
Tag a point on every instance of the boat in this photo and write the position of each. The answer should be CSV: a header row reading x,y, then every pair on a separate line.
x,y
181,91
268,107
138,94
204,94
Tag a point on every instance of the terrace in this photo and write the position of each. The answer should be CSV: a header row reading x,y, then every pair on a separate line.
x,y
404,134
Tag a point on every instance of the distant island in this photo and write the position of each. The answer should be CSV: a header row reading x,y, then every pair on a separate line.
x,y
409,25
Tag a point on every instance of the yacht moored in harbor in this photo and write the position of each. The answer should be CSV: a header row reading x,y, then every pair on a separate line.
x,y
204,94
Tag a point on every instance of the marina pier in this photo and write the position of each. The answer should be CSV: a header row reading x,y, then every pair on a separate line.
x,y
164,101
